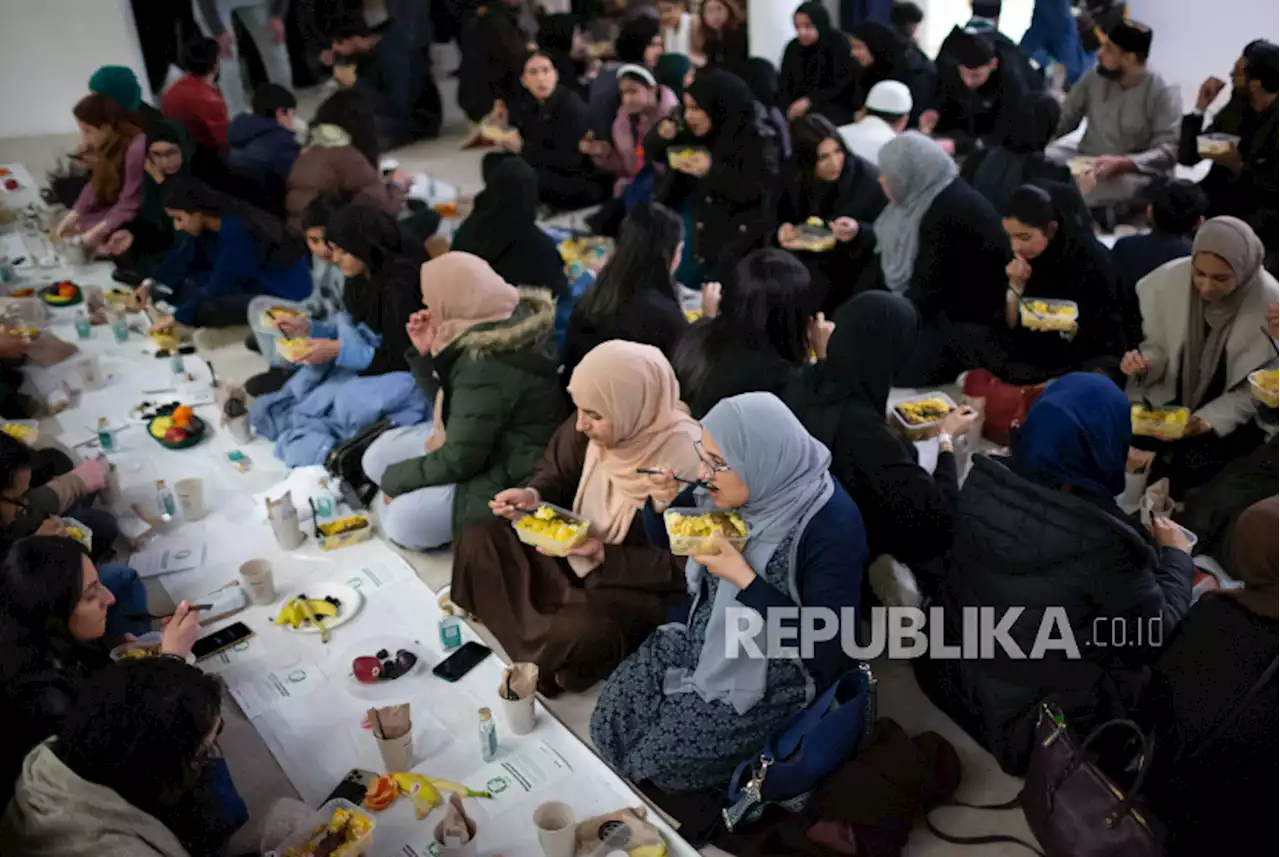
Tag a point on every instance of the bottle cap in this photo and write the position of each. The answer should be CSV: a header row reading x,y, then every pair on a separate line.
x,y
485,714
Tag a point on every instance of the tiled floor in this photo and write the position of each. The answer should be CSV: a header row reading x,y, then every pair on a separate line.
x,y
261,780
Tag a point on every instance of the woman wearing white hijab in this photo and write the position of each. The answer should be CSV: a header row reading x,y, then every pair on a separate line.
x,y
942,245
681,714
1203,331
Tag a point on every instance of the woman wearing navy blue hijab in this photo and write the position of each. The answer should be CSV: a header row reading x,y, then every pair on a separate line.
x,y
1041,532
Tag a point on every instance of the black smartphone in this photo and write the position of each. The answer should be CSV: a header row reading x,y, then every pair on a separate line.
x,y
207,647
353,786
462,661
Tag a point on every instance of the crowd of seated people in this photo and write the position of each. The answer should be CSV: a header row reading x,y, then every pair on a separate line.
x,y
859,219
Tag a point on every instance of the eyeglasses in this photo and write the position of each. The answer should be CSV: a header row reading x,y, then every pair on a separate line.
x,y
714,464
20,504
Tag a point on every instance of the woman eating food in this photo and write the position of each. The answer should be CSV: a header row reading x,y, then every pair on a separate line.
x,y
680,713
578,616
486,351
116,150
817,74
1203,335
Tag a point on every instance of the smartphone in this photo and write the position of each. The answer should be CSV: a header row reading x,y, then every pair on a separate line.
x,y
353,786
207,647
462,661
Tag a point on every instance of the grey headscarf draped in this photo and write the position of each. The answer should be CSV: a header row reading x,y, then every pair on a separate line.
x,y
1209,324
916,170
785,470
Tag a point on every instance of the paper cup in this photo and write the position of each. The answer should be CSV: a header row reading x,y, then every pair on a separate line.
x,y
256,577
468,850
518,713
397,753
557,826
90,377
191,498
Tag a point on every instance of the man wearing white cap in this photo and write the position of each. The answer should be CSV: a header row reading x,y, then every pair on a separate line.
x,y
883,117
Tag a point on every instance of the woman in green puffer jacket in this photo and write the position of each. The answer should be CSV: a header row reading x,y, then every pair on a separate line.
x,y
486,350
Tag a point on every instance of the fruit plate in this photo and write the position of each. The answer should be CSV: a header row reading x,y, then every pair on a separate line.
x,y
350,600
49,294
197,434
391,690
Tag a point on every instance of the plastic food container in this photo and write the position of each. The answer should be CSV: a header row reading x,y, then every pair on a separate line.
x,y
1216,143
496,132
694,545
679,157
271,317
146,646
1163,424
302,843
1080,165
292,349
166,341
1264,385
546,543
917,428
813,239
1048,314
79,532
331,538
27,431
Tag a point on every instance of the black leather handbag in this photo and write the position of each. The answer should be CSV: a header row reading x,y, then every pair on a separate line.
x,y
345,461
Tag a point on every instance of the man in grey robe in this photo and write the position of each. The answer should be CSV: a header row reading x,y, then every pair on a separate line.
x,y
1134,117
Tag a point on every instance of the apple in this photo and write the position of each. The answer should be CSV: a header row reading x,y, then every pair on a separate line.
x,y
177,434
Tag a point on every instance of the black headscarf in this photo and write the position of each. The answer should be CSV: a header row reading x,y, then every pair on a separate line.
x,y
501,229
390,291
729,103
279,247
874,336
814,66
555,39
1024,133
634,38
887,49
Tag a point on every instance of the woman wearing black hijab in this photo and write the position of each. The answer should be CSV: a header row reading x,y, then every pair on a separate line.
x,y
723,191
883,54
1056,257
1019,158
501,229
842,402
557,37
381,263
824,180
817,69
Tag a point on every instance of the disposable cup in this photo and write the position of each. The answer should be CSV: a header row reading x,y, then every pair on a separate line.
x,y
258,583
191,498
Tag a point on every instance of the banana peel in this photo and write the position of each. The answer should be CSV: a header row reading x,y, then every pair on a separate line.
x,y
305,606
425,792
292,614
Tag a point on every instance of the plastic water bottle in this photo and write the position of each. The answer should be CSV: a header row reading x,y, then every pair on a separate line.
x,y
175,362
84,329
488,736
450,630
105,438
166,506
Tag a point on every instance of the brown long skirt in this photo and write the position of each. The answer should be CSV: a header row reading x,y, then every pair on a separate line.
x,y
575,629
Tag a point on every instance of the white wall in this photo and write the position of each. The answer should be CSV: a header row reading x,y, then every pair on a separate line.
x,y
1193,39
48,49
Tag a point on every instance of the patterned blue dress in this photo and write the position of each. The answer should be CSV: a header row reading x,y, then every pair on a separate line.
x,y
681,742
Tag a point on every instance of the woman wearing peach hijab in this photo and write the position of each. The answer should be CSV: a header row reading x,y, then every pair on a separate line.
x,y
486,351
578,617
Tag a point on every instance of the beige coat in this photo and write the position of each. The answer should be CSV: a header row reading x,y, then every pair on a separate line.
x,y
56,813
1164,297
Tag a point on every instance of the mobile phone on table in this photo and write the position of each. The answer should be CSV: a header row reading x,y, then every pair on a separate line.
x,y
462,661
353,786
210,645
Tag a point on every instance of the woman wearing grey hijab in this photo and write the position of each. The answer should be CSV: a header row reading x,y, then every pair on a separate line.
x,y
1203,324
680,713
941,245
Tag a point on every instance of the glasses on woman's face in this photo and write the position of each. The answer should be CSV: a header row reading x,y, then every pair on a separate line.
x,y
19,503
714,463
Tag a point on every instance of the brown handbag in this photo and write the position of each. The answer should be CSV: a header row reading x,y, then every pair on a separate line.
x,y
1076,810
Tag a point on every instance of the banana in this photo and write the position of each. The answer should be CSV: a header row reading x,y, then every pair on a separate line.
x,y
305,606
457,788
289,614
424,796
322,608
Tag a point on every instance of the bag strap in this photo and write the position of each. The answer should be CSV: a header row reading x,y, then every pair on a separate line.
x,y
1234,713
991,839
780,745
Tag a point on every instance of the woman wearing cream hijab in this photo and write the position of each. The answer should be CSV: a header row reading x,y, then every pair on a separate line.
x,y
578,617
486,351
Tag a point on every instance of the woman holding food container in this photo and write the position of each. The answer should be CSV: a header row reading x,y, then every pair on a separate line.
x,y
681,712
1057,262
577,615
724,159
827,183
1204,334
116,150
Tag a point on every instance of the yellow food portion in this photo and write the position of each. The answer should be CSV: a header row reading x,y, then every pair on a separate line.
x,y
138,653
1167,424
17,431
548,523
345,525
166,341
815,221
297,613
1046,308
923,411
353,826
22,331
729,523
291,349
1268,380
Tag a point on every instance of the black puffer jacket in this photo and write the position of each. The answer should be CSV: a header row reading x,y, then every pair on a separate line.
x,y
1019,544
